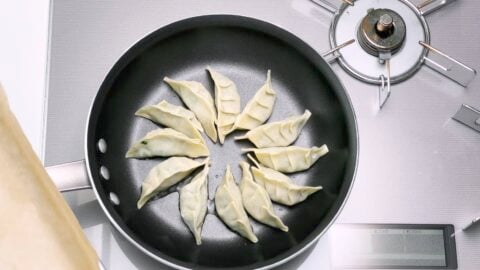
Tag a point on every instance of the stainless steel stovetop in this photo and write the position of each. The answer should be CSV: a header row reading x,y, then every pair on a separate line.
x,y
416,164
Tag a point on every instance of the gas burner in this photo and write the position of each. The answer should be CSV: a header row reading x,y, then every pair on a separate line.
x,y
397,41
393,42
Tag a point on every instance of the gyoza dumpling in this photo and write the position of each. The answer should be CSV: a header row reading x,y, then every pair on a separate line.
x,y
193,203
229,206
227,100
281,133
173,116
167,142
256,200
165,175
258,109
280,187
288,159
199,100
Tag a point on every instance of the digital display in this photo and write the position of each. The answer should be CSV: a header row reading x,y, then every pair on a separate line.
x,y
392,246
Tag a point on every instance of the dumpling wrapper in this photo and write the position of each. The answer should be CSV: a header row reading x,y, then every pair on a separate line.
x,y
193,203
227,101
166,174
172,116
229,206
281,133
258,109
199,101
167,142
288,159
256,200
280,187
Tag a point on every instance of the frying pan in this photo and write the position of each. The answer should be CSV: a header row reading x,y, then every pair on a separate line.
x,y
243,49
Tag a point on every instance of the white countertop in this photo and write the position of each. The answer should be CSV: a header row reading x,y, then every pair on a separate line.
x,y
23,54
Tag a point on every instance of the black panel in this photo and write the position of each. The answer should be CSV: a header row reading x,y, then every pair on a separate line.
x,y
243,49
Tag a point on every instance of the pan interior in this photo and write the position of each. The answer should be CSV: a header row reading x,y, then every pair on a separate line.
x,y
243,50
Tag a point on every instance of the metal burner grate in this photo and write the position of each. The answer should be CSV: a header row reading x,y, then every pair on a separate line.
x,y
393,42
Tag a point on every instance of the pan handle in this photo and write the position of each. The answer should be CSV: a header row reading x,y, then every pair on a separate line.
x,y
70,176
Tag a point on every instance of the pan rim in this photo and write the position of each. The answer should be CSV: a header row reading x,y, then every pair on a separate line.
x,y
346,103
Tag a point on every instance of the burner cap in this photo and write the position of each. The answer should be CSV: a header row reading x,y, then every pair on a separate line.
x,y
381,31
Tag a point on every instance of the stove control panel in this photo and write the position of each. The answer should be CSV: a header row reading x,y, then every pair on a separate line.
x,y
393,246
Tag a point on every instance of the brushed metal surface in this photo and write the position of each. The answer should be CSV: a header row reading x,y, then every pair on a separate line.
x,y
417,165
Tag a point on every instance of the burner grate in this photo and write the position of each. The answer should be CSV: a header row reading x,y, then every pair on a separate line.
x,y
393,42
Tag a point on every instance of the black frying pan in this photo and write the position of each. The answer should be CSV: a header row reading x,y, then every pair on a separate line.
x,y
243,49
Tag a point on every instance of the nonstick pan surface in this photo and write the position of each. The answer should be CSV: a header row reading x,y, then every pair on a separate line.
x,y
242,49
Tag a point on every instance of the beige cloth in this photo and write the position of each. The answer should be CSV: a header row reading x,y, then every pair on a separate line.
x,y
37,228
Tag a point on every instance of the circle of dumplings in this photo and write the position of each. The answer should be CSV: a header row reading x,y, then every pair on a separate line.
x,y
181,141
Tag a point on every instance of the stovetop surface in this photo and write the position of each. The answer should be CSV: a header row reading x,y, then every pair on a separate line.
x,y
416,164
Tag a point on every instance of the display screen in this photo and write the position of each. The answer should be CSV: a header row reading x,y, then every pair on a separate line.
x,y
389,246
